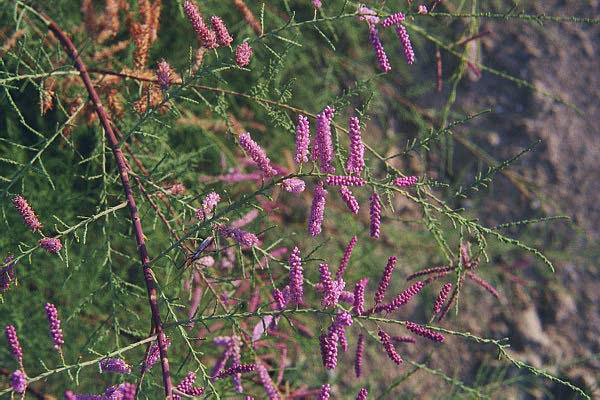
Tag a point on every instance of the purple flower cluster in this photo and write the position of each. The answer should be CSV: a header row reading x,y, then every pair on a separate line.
x,y
267,383
316,3
328,343
232,350
425,332
55,330
342,321
382,59
344,180
244,238
403,298
406,181
317,210
346,258
116,365
406,44
375,212
164,74
385,279
325,392
296,277
331,289
223,36
7,273
441,298
154,354
349,199
257,154
124,391
323,145
27,213
206,37
368,15
51,245
240,369
13,343
360,349
386,341
356,158
208,205
302,139
243,54
293,185
362,394
359,296
186,386
393,19
18,381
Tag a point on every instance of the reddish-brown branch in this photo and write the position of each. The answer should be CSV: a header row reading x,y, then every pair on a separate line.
x,y
135,217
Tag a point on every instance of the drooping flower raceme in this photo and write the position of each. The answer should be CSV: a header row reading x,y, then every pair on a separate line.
x,y
382,59
317,210
206,37
360,348
13,343
405,181
425,332
187,386
257,154
349,199
51,245
328,343
403,298
389,347
266,381
375,212
356,157
393,19
325,392
302,139
362,394
441,298
154,354
116,365
243,54
55,330
223,36
406,44
359,296
345,180
27,213
346,258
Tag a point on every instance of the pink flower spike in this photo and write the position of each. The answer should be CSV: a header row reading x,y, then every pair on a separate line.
x,y
360,348
344,180
328,285
422,9
402,298
323,145
257,154
186,386
223,36
375,211
362,394
244,238
406,181
425,332
51,245
13,343
346,258
55,329
296,277
267,383
18,381
368,15
116,365
406,44
302,139
206,37
164,74
385,279
154,355
382,59
349,199
293,185
329,350
393,19
243,54
325,392
359,296
389,347
356,157
208,205
27,213
441,298
317,210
